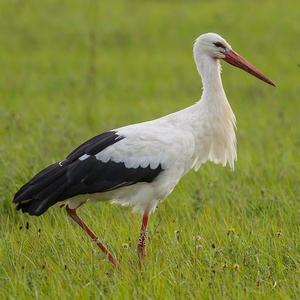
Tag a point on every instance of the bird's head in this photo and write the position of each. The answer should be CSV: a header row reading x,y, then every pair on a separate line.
x,y
214,46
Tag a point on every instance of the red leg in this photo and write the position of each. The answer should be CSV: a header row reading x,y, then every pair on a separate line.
x,y
72,213
141,246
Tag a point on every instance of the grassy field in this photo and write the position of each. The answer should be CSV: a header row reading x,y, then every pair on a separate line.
x,y
71,69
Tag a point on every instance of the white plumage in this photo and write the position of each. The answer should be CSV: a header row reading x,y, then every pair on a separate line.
x,y
179,142
140,164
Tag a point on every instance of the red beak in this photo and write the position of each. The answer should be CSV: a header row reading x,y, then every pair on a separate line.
x,y
238,61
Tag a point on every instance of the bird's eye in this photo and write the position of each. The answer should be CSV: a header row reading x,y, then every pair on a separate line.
x,y
219,44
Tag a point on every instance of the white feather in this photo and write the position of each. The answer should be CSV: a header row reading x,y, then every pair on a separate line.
x,y
178,142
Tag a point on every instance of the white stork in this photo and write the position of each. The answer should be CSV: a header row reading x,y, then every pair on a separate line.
x,y
140,164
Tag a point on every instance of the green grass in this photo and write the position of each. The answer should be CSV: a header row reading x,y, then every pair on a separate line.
x,y
71,69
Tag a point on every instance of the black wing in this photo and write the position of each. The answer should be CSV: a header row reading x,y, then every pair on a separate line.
x,y
72,176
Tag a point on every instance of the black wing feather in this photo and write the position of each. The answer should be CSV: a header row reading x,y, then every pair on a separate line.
x,y
71,177
94,145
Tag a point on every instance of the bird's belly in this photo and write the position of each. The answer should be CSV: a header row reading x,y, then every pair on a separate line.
x,y
142,196
145,196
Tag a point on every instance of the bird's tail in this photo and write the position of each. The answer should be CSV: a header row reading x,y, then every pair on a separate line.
x,y
42,191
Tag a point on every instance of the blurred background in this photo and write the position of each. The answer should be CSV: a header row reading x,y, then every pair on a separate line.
x,y
72,69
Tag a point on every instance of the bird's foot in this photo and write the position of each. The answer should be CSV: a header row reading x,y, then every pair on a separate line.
x,y
141,251
141,246
109,255
73,214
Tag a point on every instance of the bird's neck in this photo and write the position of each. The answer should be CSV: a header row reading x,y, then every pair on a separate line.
x,y
217,142
210,73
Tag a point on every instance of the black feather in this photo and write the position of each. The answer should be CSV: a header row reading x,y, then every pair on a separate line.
x,y
94,145
71,177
